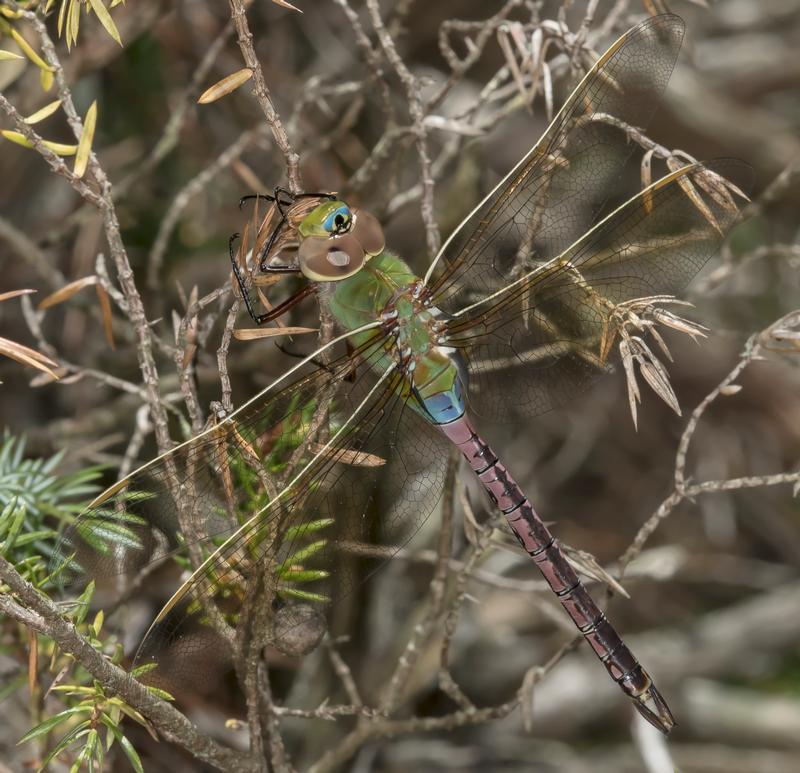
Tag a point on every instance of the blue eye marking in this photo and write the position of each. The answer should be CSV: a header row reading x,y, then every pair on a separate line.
x,y
338,221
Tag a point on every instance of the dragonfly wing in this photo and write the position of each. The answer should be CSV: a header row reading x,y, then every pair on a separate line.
x,y
561,187
345,452
547,335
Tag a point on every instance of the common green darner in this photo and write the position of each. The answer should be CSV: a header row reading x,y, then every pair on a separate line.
x,y
542,285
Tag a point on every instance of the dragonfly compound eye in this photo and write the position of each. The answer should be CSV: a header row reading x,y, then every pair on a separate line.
x,y
328,259
338,221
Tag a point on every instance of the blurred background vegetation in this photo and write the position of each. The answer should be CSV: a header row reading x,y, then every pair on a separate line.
x,y
716,591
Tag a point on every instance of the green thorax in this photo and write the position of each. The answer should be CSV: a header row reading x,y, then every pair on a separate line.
x,y
361,298
385,284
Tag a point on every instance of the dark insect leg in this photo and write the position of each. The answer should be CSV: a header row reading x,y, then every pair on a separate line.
x,y
279,310
283,307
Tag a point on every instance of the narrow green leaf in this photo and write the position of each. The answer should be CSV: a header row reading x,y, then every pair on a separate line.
x,y
46,726
303,554
77,732
6,55
306,528
303,575
303,595
126,745
131,754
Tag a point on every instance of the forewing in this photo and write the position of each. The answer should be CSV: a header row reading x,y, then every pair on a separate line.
x,y
562,186
547,335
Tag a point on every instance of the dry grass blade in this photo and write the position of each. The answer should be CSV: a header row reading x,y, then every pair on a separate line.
x,y
647,180
27,356
716,187
248,176
14,294
655,374
634,395
105,312
662,344
693,329
503,39
284,4
353,458
254,333
693,195
67,291
225,86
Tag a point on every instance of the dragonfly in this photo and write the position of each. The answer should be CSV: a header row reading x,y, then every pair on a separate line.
x,y
542,288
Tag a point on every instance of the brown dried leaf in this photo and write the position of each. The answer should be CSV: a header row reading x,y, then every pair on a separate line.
x,y
662,344
248,176
254,333
33,662
715,188
657,378
60,375
27,356
694,196
634,396
14,294
105,312
284,4
647,180
730,389
353,458
225,86
681,324
67,291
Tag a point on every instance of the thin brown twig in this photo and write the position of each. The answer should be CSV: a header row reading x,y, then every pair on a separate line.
x,y
262,94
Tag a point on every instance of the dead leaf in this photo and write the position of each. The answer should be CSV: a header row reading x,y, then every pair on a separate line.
x,y
14,294
27,356
225,86
67,291
254,333
105,311
284,4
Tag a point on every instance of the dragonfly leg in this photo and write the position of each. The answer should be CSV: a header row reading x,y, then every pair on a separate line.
x,y
542,546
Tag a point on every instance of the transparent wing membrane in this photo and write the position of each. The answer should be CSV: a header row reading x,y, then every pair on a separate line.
x,y
555,329
562,186
265,506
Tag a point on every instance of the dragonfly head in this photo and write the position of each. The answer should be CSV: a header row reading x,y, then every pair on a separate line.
x,y
336,241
